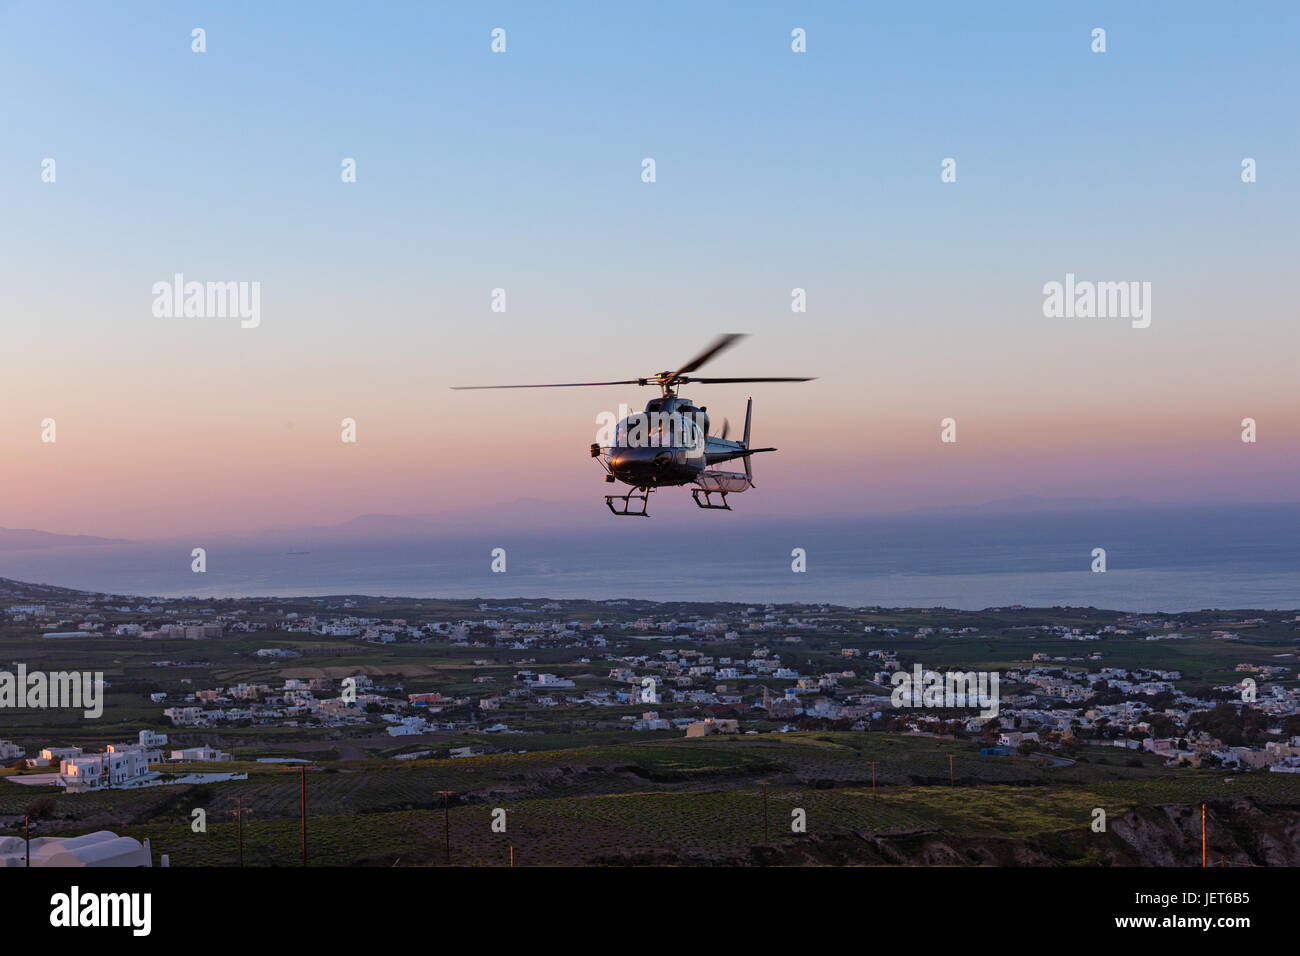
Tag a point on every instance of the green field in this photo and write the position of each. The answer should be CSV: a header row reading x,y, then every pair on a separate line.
x,y
677,802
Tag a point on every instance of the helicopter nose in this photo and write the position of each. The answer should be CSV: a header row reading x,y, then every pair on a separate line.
x,y
636,456
640,462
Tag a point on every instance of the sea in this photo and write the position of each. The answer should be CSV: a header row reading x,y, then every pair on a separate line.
x,y
1156,559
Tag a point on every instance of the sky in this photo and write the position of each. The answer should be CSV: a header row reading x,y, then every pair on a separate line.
x,y
522,170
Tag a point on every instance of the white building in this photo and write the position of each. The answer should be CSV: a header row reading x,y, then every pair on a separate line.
x,y
10,750
408,726
56,754
550,681
202,754
150,754
184,716
101,771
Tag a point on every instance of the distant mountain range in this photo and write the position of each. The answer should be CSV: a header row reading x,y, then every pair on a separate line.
x,y
537,514
1023,504
533,513
25,539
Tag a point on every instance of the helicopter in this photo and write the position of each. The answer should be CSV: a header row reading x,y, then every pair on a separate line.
x,y
669,445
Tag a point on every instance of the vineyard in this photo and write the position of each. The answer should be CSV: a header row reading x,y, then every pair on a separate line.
x,y
799,797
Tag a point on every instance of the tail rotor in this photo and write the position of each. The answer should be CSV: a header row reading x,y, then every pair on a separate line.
x,y
744,441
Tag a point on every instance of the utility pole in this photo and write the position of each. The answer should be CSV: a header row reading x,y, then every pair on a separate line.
x,y
302,809
239,812
950,781
873,778
27,835
763,784
446,824
1202,835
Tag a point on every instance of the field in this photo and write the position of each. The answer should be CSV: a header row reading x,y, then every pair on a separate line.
x,y
697,801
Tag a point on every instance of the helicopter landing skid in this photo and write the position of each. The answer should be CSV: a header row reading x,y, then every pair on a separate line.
x,y
707,503
627,511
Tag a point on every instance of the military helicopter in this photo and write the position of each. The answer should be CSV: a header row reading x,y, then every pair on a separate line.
x,y
669,443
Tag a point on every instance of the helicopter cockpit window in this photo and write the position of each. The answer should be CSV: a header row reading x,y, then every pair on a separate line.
x,y
691,436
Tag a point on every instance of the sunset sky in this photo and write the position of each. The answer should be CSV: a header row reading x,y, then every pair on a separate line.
x,y
522,171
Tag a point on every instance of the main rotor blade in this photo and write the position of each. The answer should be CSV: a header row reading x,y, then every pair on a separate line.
x,y
720,344
630,381
727,381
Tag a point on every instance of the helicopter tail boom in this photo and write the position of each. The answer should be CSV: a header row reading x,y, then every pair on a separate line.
x,y
719,450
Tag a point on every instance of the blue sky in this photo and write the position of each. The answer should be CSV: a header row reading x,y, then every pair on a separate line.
x,y
762,154
521,170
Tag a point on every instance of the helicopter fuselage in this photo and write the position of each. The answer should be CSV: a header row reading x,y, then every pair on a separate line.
x,y
666,445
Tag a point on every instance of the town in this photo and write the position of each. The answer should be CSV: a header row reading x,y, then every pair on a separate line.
x,y
747,669
213,692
